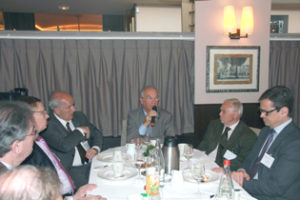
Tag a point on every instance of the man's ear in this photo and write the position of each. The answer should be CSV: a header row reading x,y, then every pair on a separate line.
x,y
16,146
284,111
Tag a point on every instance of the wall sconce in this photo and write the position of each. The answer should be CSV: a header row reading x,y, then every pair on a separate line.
x,y
229,22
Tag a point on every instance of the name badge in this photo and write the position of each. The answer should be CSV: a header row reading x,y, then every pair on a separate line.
x,y
85,145
229,155
267,160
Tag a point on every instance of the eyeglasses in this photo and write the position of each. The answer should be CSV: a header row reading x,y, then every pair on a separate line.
x,y
151,99
267,112
43,112
34,132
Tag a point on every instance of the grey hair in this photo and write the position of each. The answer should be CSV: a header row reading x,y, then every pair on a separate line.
x,y
53,103
147,87
29,182
236,104
15,120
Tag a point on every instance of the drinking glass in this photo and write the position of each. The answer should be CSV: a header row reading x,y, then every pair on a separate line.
x,y
198,173
138,143
139,161
188,153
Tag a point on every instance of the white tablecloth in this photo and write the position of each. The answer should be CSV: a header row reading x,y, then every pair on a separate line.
x,y
119,190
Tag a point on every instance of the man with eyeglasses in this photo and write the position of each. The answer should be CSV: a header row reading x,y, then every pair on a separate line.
x,y
17,134
139,120
272,169
228,138
72,137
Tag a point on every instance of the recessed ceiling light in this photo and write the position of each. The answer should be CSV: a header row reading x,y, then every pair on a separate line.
x,y
64,8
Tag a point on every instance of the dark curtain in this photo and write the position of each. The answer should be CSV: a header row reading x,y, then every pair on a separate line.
x,y
285,70
105,77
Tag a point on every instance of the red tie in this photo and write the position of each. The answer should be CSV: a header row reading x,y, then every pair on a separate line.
x,y
41,140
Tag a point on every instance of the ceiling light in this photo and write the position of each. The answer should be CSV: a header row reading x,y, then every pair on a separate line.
x,y
64,8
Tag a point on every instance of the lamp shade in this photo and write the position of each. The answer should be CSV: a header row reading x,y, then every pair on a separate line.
x,y
247,21
229,22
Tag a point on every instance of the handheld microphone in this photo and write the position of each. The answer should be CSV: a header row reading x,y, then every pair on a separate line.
x,y
152,123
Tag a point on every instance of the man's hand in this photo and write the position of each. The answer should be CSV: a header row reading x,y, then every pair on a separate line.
x,y
150,114
91,153
86,130
81,194
217,170
239,176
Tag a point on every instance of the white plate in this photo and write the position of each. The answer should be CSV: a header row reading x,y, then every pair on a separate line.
x,y
108,157
212,176
108,174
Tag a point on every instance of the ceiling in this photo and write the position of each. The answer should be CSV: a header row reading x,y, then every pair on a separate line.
x,y
90,6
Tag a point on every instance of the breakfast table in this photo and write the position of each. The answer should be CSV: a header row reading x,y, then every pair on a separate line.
x,y
133,185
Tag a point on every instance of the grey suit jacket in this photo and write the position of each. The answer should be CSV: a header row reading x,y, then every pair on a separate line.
x,y
63,143
282,179
240,142
164,125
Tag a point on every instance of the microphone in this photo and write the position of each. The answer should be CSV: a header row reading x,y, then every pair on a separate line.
x,y
152,123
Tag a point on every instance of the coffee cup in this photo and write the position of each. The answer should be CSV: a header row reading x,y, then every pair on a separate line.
x,y
118,168
130,149
117,156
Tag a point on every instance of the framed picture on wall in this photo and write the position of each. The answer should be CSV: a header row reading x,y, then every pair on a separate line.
x,y
232,68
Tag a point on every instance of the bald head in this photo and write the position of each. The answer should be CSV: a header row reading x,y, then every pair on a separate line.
x,y
62,105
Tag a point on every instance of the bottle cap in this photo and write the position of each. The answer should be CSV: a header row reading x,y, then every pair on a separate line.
x,y
227,162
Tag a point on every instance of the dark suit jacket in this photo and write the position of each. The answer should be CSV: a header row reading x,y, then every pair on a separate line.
x,y
2,168
282,180
38,158
164,125
240,142
63,143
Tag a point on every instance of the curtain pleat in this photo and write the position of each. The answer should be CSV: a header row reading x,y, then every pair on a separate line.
x,y
284,69
105,77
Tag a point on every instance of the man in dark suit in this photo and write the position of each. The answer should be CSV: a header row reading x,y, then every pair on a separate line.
x,y
17,134
228,137
71,137
272,169
139,120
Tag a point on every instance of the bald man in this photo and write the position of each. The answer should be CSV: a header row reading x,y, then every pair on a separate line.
x,y
71,137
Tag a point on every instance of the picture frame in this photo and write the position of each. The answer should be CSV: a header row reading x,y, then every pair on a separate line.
x,y
232,69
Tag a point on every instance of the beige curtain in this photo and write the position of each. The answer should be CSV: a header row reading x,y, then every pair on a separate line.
x,y
105,77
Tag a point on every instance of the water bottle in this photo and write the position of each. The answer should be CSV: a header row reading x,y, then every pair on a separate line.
x,y
160,162
225,190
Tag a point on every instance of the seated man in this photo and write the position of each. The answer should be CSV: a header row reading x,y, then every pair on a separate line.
x,y
271,170
138,121
228,137
17,135
71,137
31,182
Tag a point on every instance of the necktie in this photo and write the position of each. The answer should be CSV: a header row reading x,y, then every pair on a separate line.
x,y
80,148
53,158
261,155
220,152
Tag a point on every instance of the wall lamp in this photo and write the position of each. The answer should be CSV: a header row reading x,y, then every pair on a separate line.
x,y
229,22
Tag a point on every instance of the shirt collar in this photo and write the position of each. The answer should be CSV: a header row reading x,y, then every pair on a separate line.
x,y
8,166
63,122
232,127
279,128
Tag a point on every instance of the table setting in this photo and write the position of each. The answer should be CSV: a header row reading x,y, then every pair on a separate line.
x,y
120,173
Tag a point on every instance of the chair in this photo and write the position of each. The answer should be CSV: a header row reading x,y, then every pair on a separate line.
x,y
124,132
255,130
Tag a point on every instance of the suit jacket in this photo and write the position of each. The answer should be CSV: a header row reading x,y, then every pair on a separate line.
x,y
2,168
38,158
164,125
63,143
282,179
240,142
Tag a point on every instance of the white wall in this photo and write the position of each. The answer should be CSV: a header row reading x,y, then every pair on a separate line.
x,y
158,19
293,19
209,31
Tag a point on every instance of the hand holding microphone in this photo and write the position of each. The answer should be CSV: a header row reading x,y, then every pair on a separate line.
x,y
152,123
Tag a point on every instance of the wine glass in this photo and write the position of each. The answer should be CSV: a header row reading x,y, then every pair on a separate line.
x,y
139,161
198,173
188,153
138,143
